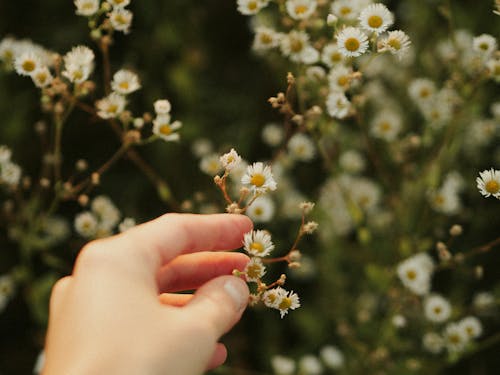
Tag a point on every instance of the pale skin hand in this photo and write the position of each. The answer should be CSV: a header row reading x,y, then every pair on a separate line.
x,y
118,314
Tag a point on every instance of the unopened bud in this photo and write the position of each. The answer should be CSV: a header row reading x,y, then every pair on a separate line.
x,y
81,165
295,255
479,272
331,19
310,227
456,230
234,208
306,207
298,119
83,200
290,79
95,178
294,265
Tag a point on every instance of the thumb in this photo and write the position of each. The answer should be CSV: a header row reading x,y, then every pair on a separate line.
x,y
220,302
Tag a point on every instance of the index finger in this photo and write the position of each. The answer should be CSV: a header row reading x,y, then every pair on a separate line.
x,y
170,235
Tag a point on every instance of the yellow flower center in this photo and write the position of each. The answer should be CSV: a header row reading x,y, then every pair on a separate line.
x,y
296,45
492,186
258,180
343,81
120,19
394,43
437,310
88,5
352,44
258,247
424,93
112,108
124,85
484,46
336,56
254,271
411,274
385,126
28,65
258,211
375,21
271,297
439,200
454,338
266,39
41,77
300,9
252,5
285,303
165,129
345,11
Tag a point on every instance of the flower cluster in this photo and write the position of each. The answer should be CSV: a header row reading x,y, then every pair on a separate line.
x,y
116,16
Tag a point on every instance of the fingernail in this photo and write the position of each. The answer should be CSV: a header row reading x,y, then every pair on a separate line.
x,y
238,294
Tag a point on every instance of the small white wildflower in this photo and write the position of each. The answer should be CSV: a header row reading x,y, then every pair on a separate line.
x,y
455,338
386,125
483,301
421,90
436,308
230,160
78,64
294,45
210,164
337,105
283,365
300,9
254,270
165,129
265,38
202,147
42,77
125,82
261,210
250,7
415,273
352,42
445,200
484,44
106,211
27,63
488,183
352,161
339,78
310,365
86,224
258,243
119,3
111,106
273,134
86,8
345,9
10,173
363,191
331,19
287,301
432,342
5,154
162,107
376,18
301,147
332,357
471,326
259,177
396,42
126,224
331,55
310,227
121,19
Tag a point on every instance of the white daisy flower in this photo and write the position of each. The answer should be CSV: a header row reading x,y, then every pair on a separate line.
x,y
107,213
471,326
396,42
455,338
339,78
346,9
27,63
294,45
210,164
7,49
488,183
165,129
249,7
86,8
484,44
254,270
125,82
352,161
352,42
300,9
121,19
309,56
445,200
42,77
332,357
433,343
230,160
265,38
283,365
421,90
287,301
301,147
415,273
315,73
365,193
271,297
310,365
162,107
258,243
111,106
386,125
10,173
261,210
337,105
259,177
331,55
86,224
119,3
273,134
483,301
436,308
78,64
376,18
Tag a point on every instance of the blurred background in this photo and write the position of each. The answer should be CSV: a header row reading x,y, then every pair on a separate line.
x,y
198,55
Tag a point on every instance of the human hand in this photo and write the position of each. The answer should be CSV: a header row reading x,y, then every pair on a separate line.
x,y
118,313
